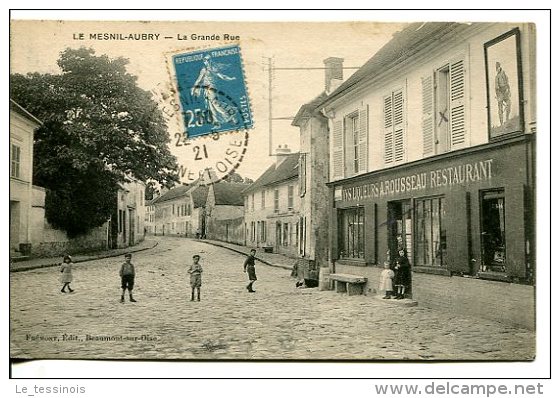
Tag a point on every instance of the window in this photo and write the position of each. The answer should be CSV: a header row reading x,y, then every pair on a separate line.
x,y
444,109
352,135
431,240
351,232
252,231
263,200
189,209
302,173
290,197
253,202
493,231
276,201
349,151
263,231
15,156
394,126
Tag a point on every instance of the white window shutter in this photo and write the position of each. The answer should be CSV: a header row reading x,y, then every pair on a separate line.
x,y
338,150
457,94
363,140
399,124
388,128
428,115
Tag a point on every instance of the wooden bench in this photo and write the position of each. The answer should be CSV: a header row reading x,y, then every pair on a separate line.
x,y
351,284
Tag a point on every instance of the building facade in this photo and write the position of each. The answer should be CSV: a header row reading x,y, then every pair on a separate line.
x,y
432,151
224,212
22,128
127,225
272,207
150,218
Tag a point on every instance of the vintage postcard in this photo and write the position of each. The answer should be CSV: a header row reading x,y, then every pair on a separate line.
x,y
273,190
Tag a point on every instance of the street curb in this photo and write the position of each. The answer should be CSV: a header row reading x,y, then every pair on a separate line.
x,y
102,256
245,254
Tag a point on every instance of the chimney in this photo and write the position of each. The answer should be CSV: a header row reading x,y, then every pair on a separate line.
x,y
333,73
281,153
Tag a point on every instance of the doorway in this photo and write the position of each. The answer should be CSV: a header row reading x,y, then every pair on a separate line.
x,y
399,224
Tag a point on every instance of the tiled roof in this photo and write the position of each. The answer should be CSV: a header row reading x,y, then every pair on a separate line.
x,y
22,111
199,195
173,193
306,110
229,193
403,45
286,170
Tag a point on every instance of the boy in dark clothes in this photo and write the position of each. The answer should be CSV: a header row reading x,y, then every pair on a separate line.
x,y
249,267
127,277
196,277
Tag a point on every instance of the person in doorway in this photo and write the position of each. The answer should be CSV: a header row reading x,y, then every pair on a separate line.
x,y
402,274
195,271
249,267
386,283
127,274
66,277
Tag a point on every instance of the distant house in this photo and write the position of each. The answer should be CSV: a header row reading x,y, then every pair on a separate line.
x,y
171,211
149,219
272,206
224,212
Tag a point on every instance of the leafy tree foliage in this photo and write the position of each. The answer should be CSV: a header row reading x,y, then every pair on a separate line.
x,y
99,130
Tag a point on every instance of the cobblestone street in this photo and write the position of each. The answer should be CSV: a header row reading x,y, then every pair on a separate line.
x,y
277,322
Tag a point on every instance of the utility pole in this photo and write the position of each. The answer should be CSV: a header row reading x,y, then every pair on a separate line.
x,y
270,106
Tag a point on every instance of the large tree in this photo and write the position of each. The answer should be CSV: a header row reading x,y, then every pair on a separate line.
x,y
99,129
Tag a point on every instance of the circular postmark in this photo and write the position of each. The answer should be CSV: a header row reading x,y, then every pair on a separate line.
x,y
215,155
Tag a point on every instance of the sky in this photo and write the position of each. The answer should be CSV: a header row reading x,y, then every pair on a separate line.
x,y
36,45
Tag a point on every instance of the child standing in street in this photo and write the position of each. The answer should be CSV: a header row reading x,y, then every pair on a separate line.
x,y
249,267
402,274
127,274
196,277
386,283
66,277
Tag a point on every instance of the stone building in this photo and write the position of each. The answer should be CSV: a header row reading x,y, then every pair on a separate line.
x,y
22,128
224,212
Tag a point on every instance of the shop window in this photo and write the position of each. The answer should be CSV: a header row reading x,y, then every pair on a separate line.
x,y
493,231
351,233
431,238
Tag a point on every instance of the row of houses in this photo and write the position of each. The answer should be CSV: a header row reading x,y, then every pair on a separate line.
x,y
30,232
429,147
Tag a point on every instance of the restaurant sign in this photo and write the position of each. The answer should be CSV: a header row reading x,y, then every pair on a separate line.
x,y
462,174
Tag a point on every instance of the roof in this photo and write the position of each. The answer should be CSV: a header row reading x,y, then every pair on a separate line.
x,y
286,170
403,45
173,193
229,193
23,112
199,194
306,110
